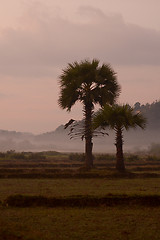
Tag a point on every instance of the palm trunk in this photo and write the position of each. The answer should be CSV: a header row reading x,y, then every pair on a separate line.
x,y
119,147
88,136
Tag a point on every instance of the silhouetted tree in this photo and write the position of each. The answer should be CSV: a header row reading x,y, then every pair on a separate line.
x,y
90,84
118,118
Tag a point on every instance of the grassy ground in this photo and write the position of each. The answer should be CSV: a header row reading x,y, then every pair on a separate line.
x,y
130,222
76,224
115,223
69,187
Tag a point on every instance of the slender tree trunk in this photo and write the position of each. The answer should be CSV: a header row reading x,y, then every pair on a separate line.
x,y
119,147
88,136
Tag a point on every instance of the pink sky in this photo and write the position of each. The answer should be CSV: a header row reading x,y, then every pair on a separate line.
x,y
39,38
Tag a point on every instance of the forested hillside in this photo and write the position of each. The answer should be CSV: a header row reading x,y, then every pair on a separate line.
x,y
151,112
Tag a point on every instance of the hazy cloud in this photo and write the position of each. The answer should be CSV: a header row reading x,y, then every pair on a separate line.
x,y
34,50
44,43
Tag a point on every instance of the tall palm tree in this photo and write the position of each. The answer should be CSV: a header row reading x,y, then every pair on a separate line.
x,y
90,84
118,118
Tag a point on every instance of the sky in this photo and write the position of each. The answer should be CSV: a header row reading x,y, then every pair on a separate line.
x,y
38,38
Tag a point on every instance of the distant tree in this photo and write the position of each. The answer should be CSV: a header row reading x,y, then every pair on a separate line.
x,y
90,84
137,106
118,118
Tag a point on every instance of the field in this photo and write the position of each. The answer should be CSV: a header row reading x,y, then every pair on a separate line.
x,y
87,223
62,177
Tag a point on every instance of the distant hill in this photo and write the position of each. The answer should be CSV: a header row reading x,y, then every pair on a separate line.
x,y
58,140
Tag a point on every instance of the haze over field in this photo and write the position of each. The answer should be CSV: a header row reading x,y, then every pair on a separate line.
x,y
59,140
39,37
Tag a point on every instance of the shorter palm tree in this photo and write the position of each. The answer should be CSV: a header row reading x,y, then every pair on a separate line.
x,y
118,118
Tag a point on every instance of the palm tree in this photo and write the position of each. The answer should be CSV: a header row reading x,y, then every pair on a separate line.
x,y
118,118
90,84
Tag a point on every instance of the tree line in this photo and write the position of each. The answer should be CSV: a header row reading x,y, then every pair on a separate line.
x,y
151,112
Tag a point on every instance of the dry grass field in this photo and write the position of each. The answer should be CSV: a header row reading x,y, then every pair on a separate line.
x,y
116,223
64,177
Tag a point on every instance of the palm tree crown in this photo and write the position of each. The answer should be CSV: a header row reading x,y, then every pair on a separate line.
x,y
88,82
119,117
